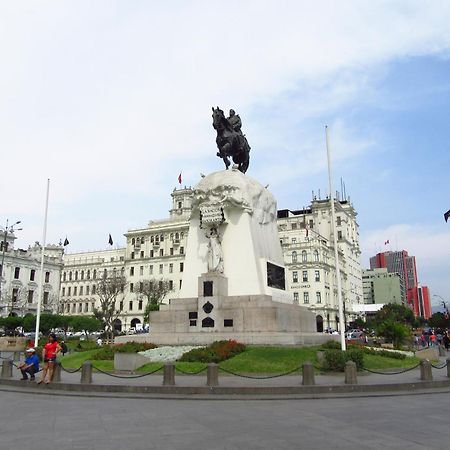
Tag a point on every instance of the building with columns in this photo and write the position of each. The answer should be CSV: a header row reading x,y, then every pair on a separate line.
x,y
21,276
156,253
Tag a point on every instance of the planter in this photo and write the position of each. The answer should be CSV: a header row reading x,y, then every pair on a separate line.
x,y
128,362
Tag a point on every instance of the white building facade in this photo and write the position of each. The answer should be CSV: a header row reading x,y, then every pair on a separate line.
x,y
21,276
156,253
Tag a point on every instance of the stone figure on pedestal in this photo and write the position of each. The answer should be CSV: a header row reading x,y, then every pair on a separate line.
x,y
215,254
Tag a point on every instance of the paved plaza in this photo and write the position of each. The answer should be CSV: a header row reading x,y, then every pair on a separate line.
x,y
50,422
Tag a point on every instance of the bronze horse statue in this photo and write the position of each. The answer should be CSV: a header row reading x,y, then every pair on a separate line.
x,y
230,142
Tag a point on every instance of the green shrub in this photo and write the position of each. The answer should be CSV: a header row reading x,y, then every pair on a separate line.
x,y
107,352
216,352
332,345
334,360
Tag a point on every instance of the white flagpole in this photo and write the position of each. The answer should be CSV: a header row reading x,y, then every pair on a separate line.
x,y
41,279
336,251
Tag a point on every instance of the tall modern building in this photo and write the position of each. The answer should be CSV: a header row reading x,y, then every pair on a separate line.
x,y
156,252
413,294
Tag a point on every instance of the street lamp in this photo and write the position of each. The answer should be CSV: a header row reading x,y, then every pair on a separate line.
x,y
8,229
444,303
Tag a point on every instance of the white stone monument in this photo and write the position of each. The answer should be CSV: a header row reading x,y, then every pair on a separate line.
x,y
233,284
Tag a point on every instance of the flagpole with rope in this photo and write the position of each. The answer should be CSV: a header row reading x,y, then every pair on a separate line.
x,y
336,251
41,279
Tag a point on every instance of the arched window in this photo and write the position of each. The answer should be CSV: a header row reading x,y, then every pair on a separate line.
x,y
82,274
70,276
64,276
294,256
152,239
76,275
304,256
133,241
94,276
88,276
316,255
142,240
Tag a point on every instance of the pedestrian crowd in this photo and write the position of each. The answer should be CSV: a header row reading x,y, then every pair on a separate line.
x,y
432,338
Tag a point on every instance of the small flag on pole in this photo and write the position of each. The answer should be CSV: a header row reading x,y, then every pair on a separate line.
x,y
66,242
447,215
179,178
110,241
386,242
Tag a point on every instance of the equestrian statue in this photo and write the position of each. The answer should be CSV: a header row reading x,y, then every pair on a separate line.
x,y
230,140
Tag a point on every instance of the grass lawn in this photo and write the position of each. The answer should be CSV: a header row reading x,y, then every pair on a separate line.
x,y
263,360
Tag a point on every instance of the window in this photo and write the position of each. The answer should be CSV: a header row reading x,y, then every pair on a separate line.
x,y
130,305
162,238
318,297
45,299
69,289
317,275
121,305
304,256
151,270
316,256
181,268
228,322
339,234
86,307
141,286
141,270
180,205
131,271
133,241
142,253
161,269
105,273
160,284
81,290
311,224
92,306
131,287
170,268
15,295
140,305
93,289
151,253
171,285
74,307
70,276
67,308
16,273
94,275
63,292
305,298
64,276
171,251
152,239
295,277
132,255
181,250
181,282
32,274
294,257
30,296
296,297
75,289
82,275
88,276
76,275
294,226
80,307
161,252
338,221
87,290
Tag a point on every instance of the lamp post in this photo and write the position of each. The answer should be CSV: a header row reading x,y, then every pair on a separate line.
x,y
9,229
444,303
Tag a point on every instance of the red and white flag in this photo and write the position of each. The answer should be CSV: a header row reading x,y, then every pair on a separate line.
x,y
179,178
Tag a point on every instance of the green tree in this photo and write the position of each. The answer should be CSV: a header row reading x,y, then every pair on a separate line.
x,y
29,322
438,320
10,323
396,312
154,292
393,331
87,324
109,287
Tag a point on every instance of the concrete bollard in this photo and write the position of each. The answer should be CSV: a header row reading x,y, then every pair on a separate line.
x,y
7,368
442,351
212,375
57,372
308,374
425,370
86,373
448,367
350,373
169,375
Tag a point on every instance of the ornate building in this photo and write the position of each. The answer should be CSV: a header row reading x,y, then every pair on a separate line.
x,y
21,275
157,252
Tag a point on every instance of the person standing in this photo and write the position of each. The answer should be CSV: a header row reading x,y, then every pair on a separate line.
x,y
30,366
49,354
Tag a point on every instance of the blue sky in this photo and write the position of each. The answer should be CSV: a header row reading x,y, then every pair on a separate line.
x,y
112,99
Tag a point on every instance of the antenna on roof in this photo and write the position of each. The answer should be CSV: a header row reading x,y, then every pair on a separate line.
x,y
345,193
319,195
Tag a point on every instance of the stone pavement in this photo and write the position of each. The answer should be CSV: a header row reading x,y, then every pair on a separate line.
x,y
45,422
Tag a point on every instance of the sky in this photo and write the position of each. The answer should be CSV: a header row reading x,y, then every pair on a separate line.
x,y
111,100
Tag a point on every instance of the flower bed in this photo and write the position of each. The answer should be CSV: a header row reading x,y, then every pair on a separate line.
x,y
167,353
216,352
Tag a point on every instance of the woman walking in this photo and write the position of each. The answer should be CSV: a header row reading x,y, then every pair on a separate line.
x,y
49,353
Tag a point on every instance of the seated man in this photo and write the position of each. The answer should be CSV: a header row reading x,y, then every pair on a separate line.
x,y
30,366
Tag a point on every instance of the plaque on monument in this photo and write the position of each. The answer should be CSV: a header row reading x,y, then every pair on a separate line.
x,y
275,276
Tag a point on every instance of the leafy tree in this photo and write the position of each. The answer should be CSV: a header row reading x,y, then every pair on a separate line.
x,y
395,312
29,322
85,323
154,292
10,323
109,288
439,320
393,331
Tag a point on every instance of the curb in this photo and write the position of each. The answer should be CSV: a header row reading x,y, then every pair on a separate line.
x,y
229,393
